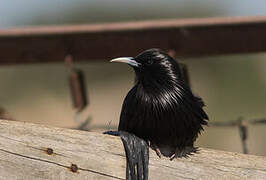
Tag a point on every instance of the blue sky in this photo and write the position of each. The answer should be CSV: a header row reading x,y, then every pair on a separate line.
x,y
32,12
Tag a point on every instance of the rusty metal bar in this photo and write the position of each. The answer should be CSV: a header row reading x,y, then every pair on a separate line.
x,y
187,37
243,132
77,85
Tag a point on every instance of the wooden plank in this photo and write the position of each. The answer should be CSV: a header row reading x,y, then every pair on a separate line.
x,y
24,155
187,37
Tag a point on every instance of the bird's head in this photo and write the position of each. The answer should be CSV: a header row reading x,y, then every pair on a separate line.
x,y
153,65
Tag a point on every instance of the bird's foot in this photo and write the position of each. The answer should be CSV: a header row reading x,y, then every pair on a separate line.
x,y
137,155
156,149
184,152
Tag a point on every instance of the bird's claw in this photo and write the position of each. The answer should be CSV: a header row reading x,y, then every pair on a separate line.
x,y
186,152
137,155
156,149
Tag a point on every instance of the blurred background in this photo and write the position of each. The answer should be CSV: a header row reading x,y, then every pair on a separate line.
x,y
231,86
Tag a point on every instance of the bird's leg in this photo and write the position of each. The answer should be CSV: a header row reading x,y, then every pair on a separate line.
x,y
137,155
156,149
184,152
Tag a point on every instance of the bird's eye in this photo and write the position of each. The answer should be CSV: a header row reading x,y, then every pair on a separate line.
x,y
149,62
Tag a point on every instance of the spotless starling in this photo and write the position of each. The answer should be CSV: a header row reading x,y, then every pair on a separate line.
x,y
161,109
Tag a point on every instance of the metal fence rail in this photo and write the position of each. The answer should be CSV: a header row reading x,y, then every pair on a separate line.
x,y
242,125
187,37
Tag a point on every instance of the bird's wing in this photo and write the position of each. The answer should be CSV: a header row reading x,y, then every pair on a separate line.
x,y
191,103
127,110
199,100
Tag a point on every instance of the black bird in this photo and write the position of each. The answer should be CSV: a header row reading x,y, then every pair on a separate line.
x,y
161,108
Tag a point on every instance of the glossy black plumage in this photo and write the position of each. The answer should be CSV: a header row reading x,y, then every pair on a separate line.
x,y
160,107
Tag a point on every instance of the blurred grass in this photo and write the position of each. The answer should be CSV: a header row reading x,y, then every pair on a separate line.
x,y
231,86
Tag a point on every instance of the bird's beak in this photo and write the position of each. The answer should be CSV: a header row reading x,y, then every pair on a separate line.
x,y
128,60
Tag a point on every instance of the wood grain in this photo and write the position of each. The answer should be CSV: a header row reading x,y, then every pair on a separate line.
x,y
23,155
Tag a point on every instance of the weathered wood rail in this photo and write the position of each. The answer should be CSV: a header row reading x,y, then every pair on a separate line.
x,y
31,151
